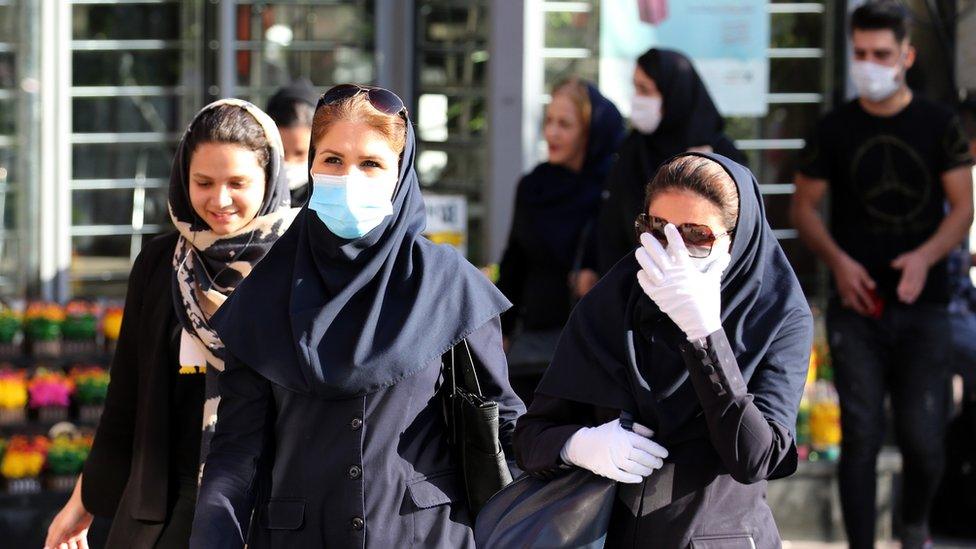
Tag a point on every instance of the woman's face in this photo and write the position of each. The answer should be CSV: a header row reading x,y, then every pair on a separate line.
x,y
679,206
644,85
564,133
226,186
356,147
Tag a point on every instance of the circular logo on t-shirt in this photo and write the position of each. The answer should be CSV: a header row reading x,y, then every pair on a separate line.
x,y
891,180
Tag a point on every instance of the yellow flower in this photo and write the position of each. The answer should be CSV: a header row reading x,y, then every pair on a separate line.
x,y
112,323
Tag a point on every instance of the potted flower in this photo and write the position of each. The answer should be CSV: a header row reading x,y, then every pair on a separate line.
x,y
42,324
10,334
111,326
50,395
79,328
22,464
13,396
65,458
91,387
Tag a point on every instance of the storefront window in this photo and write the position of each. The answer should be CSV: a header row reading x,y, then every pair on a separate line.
x,y
13,264
451,111
328,42
127,68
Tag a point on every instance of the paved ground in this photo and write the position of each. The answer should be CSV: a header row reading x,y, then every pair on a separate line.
x,y
890,545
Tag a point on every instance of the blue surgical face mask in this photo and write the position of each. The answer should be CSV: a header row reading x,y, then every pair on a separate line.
x,y
351,205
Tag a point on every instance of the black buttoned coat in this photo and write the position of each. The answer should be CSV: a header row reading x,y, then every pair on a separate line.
x,y
368,471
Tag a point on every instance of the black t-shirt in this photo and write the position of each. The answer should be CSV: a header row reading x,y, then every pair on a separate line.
x,y
886,194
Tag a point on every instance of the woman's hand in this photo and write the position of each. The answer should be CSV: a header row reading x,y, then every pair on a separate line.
x,y
614,452
690,297
69,529
582,281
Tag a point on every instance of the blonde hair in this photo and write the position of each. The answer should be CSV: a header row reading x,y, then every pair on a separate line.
x,y
357,108
575,90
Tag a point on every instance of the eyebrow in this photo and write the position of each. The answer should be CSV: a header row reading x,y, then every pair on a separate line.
x,y
234,177
340,155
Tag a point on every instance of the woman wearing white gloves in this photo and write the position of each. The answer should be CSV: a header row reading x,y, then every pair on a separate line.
x,y
703,335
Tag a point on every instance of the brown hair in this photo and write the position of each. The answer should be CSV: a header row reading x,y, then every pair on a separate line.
x,y
701,176
357,108
576,91
230,124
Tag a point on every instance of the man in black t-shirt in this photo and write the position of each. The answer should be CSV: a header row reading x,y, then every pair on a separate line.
x,y
897,168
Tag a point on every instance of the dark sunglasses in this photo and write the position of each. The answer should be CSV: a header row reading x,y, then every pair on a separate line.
x,y
699,239
381,99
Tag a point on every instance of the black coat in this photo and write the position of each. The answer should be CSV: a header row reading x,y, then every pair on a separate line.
x,y
371,470
127,474
715,491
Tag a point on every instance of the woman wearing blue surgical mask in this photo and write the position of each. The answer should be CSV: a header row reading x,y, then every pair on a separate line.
x,y
672,112
331,431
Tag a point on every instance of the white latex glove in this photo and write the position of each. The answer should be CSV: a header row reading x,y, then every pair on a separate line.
x,y
690,297
614,452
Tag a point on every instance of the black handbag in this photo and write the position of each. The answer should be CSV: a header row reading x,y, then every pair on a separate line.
x,y
571,510
472,429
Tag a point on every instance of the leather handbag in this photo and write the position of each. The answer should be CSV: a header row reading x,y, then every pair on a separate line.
x,y
570,510
472,429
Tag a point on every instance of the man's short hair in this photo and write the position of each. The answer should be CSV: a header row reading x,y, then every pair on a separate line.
x,y
882,15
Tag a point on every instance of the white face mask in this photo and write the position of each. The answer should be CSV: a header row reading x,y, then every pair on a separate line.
x,y
645,113
875,82
702,263
297,175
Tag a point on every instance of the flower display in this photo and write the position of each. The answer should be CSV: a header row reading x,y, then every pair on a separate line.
x,y
66,454
49,388
42,321
80,321
9,325
24,457
13,389
90,382
112,323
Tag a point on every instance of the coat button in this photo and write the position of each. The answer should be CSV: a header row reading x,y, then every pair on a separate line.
x,y
358,523
700,353
708,369
355,424
355,472
717,387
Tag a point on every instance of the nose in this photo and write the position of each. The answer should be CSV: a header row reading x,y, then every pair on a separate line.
x,y
223,197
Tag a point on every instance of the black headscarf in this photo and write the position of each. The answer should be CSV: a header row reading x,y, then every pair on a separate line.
x,y
281,105
555,203
338,318
620,351
689,119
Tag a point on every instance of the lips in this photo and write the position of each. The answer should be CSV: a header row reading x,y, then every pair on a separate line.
x,y
222,217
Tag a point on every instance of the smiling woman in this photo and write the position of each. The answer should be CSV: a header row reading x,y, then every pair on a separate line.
x,y
226,185
228,198
229,157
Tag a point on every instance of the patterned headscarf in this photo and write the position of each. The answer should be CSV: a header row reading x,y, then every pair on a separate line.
x,y
207,266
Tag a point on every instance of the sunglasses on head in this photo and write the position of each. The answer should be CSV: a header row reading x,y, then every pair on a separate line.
x,y
699,239
381,99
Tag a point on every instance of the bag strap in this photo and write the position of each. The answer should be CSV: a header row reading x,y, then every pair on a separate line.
x,y
459,371
453,359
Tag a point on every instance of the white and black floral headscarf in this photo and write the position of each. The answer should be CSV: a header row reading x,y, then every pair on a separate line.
x,y
207,266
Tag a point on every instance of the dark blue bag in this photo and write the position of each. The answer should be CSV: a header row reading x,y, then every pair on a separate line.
x,y
571,510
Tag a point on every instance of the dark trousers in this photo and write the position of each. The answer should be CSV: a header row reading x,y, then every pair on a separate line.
x,y
906,355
